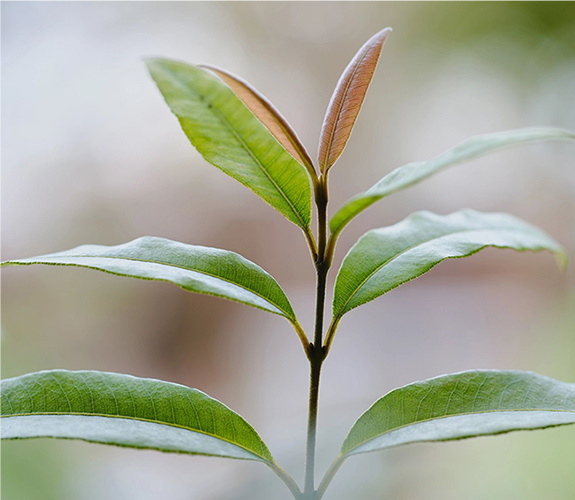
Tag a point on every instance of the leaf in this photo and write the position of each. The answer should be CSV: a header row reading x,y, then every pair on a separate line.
x,y
267,113
385,258
229,136
347,99
462,405
412,173
122,410
456,406
194,268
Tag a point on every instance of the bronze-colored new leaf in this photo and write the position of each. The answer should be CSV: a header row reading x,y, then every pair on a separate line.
x,y
269,115
347,100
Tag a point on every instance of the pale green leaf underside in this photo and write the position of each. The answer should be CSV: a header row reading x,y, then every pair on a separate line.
x,y
122,410
462,405
385,258
229,136
412,173
194,268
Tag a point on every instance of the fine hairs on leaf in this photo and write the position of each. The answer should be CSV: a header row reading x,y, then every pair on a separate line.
x,y
240,131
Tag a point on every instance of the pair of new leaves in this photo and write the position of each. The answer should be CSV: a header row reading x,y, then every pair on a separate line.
x,y
239,131
253,142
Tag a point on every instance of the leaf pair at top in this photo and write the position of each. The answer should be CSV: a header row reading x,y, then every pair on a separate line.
x,y
238,130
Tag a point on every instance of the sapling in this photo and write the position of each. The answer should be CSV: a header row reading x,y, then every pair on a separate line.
x,y
239,131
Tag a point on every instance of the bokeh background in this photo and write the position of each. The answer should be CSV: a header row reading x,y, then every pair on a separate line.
x,y
91,154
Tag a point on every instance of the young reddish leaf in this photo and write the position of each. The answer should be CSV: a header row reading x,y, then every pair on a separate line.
x,y
269,115
347,100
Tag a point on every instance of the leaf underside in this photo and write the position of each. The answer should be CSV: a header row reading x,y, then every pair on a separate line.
x,y
122,410
194,268
385,258
347,99
268,114
462,405
412,173
229,136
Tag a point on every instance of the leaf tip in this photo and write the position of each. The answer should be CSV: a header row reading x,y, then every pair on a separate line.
x,y
384,32
154,65
151,61
379,38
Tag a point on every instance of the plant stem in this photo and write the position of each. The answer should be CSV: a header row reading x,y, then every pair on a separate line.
x,y
316,360
321,198
311,243
287,479
316,352
331,472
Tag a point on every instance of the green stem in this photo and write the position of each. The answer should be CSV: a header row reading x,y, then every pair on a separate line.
x,y
311,243
331,334
316,360
287,479
338,462
316,352
303,338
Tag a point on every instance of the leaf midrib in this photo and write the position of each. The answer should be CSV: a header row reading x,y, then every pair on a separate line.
x,y
340,314
216,112
451,416
162,264
126,417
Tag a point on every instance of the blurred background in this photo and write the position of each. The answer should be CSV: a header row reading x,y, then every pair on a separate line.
x,y
91,154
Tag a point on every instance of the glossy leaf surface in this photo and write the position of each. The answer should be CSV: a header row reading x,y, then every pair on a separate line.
x,y
194,268
461,405
412,173
457,406
229,136
116,409
385,258
347,99
269,115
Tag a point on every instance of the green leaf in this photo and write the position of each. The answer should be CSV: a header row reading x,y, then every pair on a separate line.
x,y
412,173
194,268
116,409
385,258
462,405
269,115
122,410
229,136
456,406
